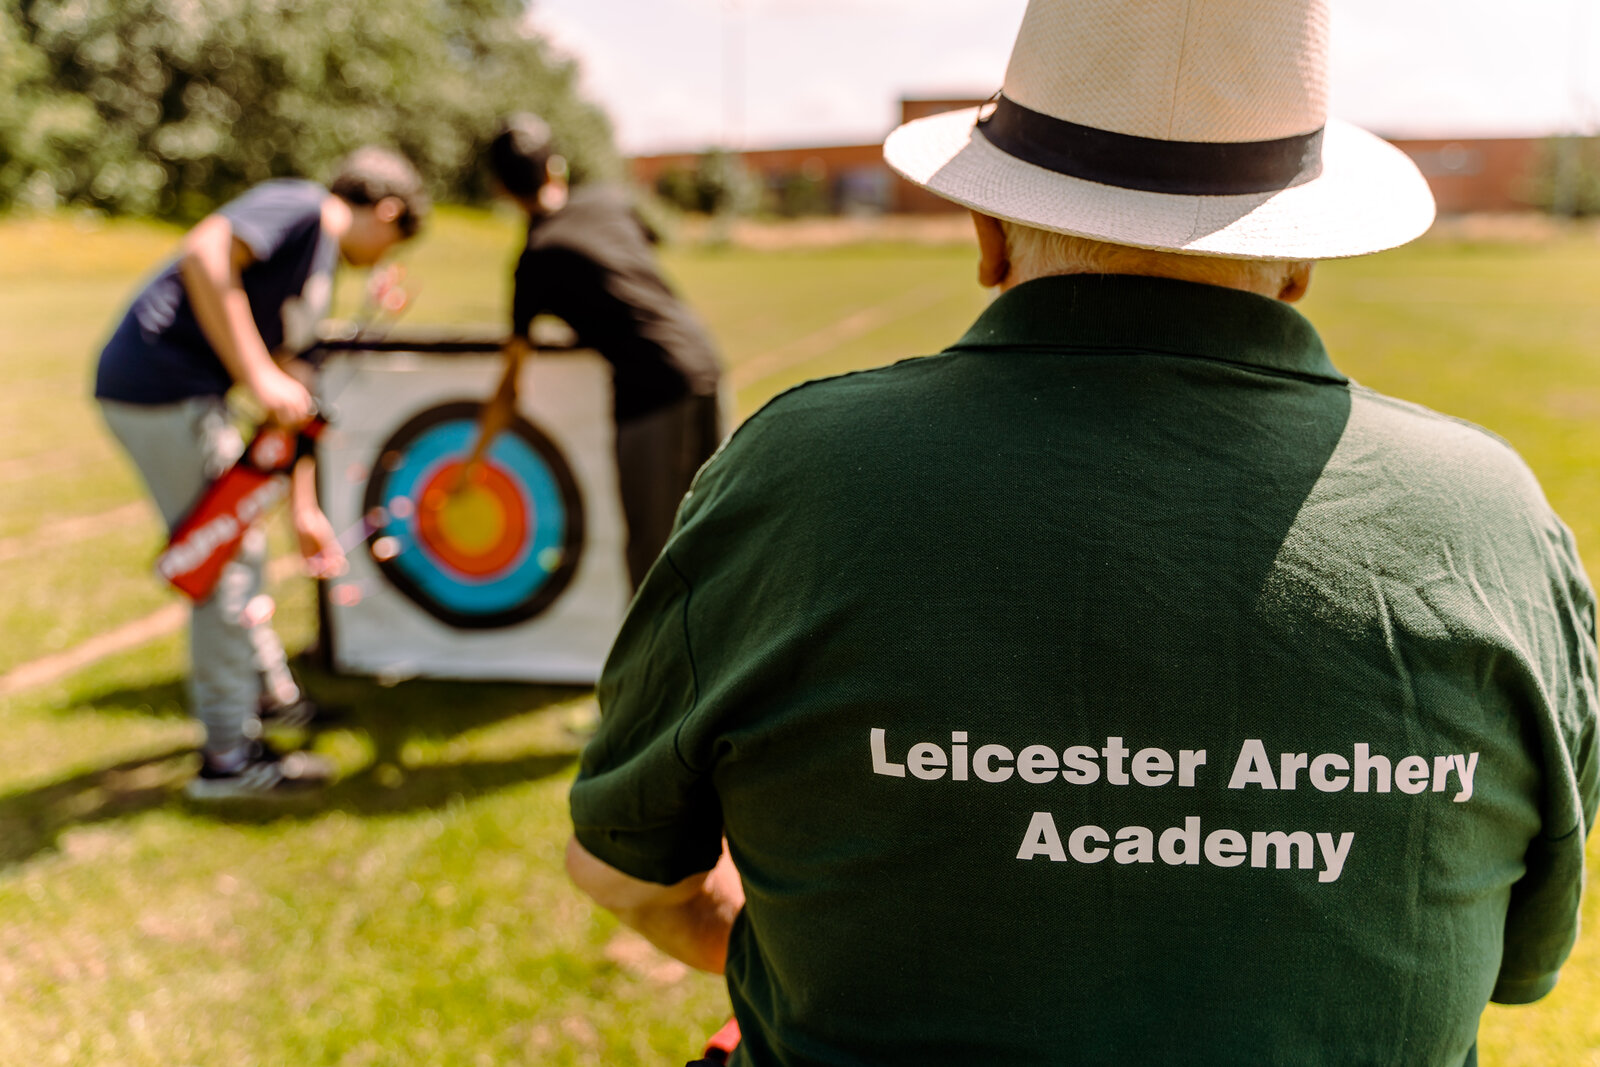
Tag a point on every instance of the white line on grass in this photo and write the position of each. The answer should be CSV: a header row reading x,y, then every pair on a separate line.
x,y
67,531
37,463
128,636
820,342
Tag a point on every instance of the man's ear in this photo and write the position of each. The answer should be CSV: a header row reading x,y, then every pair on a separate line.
x,y
993,262
389,209
1296,284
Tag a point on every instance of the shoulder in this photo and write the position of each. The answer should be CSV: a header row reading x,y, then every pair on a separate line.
x,y
802,471
1418,508
554,260
269,214
815,431
1436,457
599,199
591,213
287,196
857,404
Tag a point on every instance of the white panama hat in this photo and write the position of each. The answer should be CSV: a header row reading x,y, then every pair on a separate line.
x,y
1195,126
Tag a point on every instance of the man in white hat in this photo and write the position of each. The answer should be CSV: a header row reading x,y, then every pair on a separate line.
x,y
1122,684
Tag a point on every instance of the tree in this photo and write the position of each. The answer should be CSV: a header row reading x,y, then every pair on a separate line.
x,y
719,184
1566,180
172,106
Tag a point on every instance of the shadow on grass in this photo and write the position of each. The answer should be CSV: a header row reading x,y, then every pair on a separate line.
x,y
392,720
382,789
162,700
31,821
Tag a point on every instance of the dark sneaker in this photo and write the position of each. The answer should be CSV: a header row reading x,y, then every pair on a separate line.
x,y
296,716
266,773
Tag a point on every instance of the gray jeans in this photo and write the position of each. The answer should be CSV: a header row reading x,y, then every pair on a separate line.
x,y
179,448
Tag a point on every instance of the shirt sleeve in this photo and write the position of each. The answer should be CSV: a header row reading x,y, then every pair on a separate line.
x,y
1542,918
678,693
524,286
638,804
268,216
554,281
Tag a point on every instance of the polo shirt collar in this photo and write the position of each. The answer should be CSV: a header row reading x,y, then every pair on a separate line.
x,y
1124,312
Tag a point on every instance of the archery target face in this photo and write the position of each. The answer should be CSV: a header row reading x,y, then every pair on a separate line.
x,y
477,550
519,574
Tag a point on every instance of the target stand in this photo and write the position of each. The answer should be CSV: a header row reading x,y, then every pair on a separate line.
x,y
513,572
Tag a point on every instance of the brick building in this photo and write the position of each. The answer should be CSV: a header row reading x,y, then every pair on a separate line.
x,y
1466,174
853,178
1477,174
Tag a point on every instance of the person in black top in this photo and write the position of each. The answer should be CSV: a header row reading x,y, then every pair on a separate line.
x,y
589,260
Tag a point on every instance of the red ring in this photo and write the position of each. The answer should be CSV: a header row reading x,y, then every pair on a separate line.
x,y
513,535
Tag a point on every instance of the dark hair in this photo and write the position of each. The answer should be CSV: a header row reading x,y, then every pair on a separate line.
x,y
371,174
520,153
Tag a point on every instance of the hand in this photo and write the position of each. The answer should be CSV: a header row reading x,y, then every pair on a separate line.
x,y
297,368
319,545
286,401
691,921
386,289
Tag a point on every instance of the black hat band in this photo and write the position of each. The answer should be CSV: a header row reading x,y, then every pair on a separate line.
x,y
1147,164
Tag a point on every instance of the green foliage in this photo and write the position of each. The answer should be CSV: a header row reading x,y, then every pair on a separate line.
x,y
794,195
676,187
719,184
1566,180
169,107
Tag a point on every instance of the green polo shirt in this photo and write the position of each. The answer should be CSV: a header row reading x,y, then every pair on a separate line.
x,y
1121,685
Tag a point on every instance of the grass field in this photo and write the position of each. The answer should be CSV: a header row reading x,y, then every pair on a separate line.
x,y
417,913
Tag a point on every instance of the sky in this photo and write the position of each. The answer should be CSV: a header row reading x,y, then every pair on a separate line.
x,y
682,75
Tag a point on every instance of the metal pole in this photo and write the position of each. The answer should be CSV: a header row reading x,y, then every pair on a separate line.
x,y
733,78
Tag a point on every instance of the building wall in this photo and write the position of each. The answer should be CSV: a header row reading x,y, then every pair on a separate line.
x,y
1477,175
1466,175
853,177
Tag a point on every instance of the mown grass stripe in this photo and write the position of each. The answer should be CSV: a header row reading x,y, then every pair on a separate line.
x,y
820,342
70,531
129,635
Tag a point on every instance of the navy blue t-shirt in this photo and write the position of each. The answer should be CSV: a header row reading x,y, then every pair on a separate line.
x,y
158,353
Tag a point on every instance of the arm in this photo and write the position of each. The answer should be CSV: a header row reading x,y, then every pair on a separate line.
x,y
319,545
501,408
690,920
532,285
211,266
1544,913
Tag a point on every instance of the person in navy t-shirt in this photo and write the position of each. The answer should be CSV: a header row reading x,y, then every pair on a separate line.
x,y
240,298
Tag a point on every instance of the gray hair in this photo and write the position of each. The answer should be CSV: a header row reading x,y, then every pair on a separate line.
x,y
1036,253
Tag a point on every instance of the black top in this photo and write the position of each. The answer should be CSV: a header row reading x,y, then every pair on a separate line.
x,y
591,263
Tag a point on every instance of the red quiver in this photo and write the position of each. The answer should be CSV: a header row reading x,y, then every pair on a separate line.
x,y
209,536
